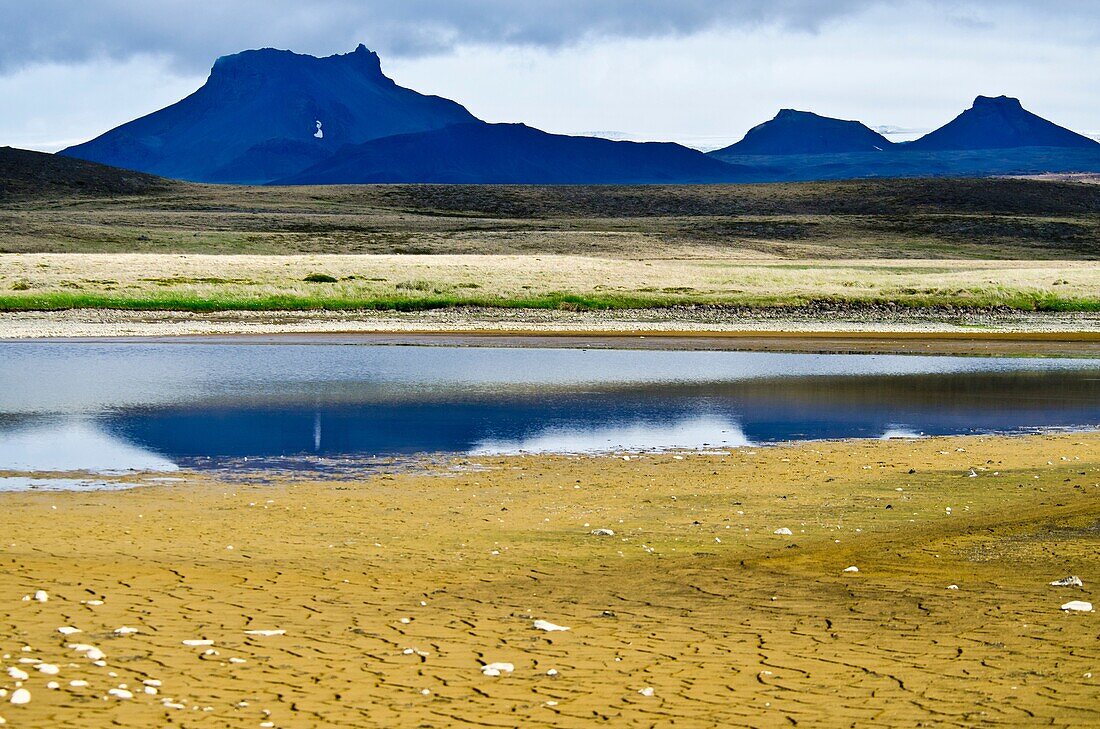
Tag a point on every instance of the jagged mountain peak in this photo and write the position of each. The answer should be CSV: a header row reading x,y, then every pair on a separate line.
x,y
274,58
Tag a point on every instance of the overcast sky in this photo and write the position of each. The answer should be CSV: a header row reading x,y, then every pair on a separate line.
x,y
696,71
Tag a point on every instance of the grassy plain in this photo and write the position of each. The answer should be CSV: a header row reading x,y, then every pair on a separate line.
x,y
1021,244
394,589
418,282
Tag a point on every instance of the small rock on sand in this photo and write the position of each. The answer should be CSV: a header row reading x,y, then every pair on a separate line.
x,y
198,641
548,626
1079,606
1071,581
21,696
41,596
602,533
853,568
647,691
90,651
265,633
68,630
497,669
783,532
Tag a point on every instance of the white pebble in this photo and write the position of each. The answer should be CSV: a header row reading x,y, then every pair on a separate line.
x,y
647,691
48,668
120,693
198,641
41,596
853,568
783,531
125,630
78,683
496,669
1079,606
93,654
18,674
265,633
68,630
21,696
547,626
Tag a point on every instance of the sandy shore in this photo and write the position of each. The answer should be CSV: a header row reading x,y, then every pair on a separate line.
x,y
685,328
395,589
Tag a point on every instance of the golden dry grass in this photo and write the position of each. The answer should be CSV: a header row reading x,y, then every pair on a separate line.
x,y
385,281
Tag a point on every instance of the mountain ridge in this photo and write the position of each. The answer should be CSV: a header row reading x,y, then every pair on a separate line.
x,y
267,115
484,153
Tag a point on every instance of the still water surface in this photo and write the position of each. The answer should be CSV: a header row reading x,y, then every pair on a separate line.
x,y
126,406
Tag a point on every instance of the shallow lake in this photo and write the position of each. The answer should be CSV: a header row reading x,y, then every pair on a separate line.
x,y
161,406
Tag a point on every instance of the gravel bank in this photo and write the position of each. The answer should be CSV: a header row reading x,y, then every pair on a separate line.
x,y
684,320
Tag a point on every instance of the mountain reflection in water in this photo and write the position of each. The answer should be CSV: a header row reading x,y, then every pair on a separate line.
x,y
362,402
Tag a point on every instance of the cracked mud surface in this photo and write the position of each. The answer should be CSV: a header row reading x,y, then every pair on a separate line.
x,y
694,596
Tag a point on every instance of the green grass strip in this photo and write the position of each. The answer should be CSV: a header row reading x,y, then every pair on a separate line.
x,y
167,301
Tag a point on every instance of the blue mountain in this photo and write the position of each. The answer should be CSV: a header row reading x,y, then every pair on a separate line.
x,y
803,132
999,123
516,153
267,113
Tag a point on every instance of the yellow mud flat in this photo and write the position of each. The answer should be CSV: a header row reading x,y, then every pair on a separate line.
x,y
395,590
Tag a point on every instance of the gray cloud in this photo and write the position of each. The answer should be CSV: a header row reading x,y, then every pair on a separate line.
x,y
193,32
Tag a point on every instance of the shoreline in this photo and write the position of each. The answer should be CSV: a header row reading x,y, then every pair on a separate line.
x,y
435,463
983,333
